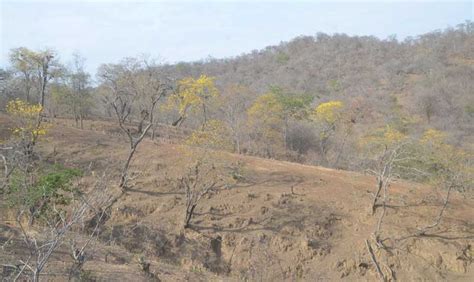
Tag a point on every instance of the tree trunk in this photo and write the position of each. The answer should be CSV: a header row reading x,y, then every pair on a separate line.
x,y
441,212
140,127
189,215
237,144
124,175
36,275
285,133
205,116
43,85
27,90
341,149
178,121
374,203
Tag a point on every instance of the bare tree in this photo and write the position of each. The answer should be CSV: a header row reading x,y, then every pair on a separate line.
x,y
450,169
236,99
198,181
79,82
135,89
386,172
428,104
41,246
390,150
6,152
42,241
100,198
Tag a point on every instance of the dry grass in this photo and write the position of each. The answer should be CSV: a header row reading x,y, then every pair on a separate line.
x,y
266,232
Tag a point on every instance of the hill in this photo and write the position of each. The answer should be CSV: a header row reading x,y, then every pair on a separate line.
x,y
429,76
263,103
279,221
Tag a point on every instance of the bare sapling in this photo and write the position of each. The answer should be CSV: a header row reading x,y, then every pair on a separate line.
x,y
97,199
199,180
46,239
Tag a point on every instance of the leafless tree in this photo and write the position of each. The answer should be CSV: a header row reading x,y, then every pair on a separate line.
x,y
77,96
236,99
136,86
42,243
198,181
8,167
451,176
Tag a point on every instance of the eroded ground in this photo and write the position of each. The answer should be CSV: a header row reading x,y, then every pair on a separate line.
x,y
256,228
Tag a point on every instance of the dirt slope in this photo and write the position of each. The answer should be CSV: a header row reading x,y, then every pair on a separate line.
x,y
258,229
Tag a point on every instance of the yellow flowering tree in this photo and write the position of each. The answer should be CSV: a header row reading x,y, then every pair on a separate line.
x,y
441,159
193,96
25,133
433,137
327,117
28,127
382,138
329,112
214,135
265,117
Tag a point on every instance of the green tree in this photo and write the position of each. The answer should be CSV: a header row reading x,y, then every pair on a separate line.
x,y
37,67
214,135
295,106
271,113
21,60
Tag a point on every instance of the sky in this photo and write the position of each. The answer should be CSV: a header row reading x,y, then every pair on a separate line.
x,y
104,31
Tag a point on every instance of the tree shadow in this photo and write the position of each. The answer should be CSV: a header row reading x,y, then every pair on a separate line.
x,y
444,234
411,205
248,183
434,235
247,228
213,213
274,178
294,216
153,193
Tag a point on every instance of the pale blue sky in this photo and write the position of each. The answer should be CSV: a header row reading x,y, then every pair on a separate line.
x,y
105,31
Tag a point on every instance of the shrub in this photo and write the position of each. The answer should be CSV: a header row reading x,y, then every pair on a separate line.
x,y
49,190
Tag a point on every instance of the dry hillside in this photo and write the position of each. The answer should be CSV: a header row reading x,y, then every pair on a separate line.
x,y
257,229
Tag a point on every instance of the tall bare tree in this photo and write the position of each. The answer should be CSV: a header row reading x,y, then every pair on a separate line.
x,y
134,89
